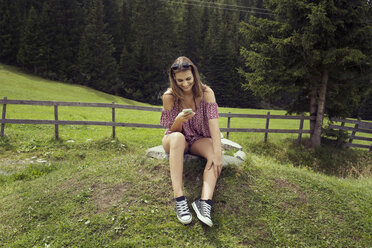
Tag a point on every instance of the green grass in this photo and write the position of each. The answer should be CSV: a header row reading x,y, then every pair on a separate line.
x,y
87,190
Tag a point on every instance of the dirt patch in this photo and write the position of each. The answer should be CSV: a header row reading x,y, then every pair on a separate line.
x,y
302,197
8,161
9,166
71,186
13,165
106,196
280,183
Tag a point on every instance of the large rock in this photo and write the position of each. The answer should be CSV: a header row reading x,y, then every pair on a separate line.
x,y
240,155
230,160
228,144
159,153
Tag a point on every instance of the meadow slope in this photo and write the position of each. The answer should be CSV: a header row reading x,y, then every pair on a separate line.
x,y
88,190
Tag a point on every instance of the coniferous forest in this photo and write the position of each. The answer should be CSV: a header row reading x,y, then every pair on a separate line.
x,y
125,47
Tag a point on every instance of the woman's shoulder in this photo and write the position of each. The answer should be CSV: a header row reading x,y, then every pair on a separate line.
x,y
208,94
168,100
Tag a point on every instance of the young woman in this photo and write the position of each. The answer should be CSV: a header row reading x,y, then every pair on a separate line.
x,y
195,131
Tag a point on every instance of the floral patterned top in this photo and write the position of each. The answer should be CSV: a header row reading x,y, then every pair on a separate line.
x,y
195,128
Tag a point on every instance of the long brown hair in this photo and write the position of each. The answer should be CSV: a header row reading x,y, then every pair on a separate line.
x,y
176,91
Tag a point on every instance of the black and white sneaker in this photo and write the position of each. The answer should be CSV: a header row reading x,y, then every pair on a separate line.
x,y
203,211
183,212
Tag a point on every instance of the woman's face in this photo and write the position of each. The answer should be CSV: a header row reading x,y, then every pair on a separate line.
x,y
184,80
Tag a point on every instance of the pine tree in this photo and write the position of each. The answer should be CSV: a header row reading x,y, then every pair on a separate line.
x,y
189,33
220,58
59,28
67,26
210,42
150,52
125,26
10,23
97,66
29,55
46,40
309,50
128,76
112,20
126,67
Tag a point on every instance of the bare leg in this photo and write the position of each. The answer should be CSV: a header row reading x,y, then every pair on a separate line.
x,y
204,148
175,144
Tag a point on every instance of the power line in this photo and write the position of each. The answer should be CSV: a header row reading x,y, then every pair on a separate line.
x,y
222,6
201,4
217,7
231,5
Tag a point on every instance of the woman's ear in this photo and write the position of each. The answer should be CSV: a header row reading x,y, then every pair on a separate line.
x,y
174,76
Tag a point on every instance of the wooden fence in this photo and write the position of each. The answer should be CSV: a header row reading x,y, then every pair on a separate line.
x,y
362,127
266,130
56,122
359,125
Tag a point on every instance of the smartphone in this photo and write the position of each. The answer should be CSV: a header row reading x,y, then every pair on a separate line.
x,y
187,111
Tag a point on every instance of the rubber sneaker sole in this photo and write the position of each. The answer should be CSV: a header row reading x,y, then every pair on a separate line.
x,y
203,219
185,222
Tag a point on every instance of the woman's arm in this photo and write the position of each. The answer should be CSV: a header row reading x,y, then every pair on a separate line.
x,y
168,102
215,133
214,130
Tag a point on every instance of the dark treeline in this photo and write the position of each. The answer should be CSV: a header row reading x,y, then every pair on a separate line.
x,y
125,47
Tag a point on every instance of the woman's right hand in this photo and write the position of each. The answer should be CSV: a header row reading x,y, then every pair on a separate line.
x,y
180,119
183,117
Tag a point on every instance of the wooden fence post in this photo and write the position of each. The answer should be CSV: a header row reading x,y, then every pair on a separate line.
x,y
339,132
113,120
3,117
267,125
56,128
354,131
228,126
301,128
342,123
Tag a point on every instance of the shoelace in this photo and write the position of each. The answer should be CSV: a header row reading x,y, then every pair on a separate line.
x,y
207,209
182,208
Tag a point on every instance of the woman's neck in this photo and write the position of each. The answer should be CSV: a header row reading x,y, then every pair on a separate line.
x,y
188,101
188,95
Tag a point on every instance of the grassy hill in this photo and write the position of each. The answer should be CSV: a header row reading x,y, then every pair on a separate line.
x,y
87,190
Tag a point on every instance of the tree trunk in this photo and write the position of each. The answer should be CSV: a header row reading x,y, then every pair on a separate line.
x,y
313,108
316,138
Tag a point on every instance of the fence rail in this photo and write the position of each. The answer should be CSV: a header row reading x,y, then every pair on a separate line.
x,y
114,124
78,104
360,126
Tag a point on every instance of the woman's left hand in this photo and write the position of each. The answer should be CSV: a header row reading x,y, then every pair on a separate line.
x,y
216,164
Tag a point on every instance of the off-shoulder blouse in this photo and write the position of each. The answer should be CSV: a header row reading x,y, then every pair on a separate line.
x,y
195,128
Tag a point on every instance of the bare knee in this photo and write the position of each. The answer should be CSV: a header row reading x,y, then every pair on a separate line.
x,y
177,140
174,141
